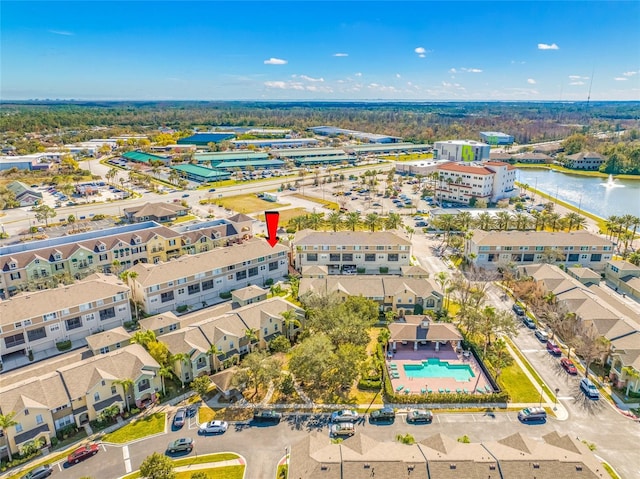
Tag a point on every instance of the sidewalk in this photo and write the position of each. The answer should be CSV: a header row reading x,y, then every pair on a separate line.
x,y
560,411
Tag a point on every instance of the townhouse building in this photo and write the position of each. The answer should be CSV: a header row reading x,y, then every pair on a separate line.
x,y
492,249
198,280
53,396
403,295
209,339
351,252
43,264
624,276
606,314
462,183
37,321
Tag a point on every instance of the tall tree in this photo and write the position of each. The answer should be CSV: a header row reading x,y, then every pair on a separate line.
x,y
126,384
353,220
157,466
7,421
335,220
44,213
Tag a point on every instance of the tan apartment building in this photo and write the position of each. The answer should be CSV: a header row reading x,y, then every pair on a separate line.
x,y
43,264
492,249
37,321
404,296
56,395
352,252
624,276
197,280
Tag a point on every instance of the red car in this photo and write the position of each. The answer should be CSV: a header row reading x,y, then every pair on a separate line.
x,y
568,366
553,348
82,453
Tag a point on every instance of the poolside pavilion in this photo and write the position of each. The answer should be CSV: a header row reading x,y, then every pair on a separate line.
x,y
424,334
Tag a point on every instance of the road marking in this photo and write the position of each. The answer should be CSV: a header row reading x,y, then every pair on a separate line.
x,y
566,398
127,461
529,350
509,418
474,418
103,447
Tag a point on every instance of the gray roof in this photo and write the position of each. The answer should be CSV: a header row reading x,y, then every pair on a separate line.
x,y
250,292
349,238
155,209
370,286
30,434
42,392
537,238
107,338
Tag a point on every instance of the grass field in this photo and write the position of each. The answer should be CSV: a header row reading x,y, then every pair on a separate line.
x,y
329,204
248,203
139,428
517,384
408,157
532,372
226,472
286,215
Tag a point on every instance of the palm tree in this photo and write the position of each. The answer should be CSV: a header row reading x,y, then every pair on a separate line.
x,y
372,221
290,321
143,338
384,336
335,220
409,231
174,176
393,221
252,336
553,220
164,372
215,351
574,220
464,220
634,258
521,221
6,421
442,278
502,219
632,377
484,221
182,358
126,384
315,220
298,222
353,220
446,223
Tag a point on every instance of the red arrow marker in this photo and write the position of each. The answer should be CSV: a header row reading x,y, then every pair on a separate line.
x,y
272,218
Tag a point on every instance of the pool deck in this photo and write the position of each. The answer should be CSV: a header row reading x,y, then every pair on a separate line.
x,y
405,354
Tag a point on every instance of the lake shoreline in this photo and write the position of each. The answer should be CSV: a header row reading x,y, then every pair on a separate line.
x,y
568,171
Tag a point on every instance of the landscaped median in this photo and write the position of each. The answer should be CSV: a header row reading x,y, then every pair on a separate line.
x,y
138,428
208,463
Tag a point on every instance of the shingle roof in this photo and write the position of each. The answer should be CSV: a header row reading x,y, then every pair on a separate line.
x,y
155,209
158,321
150,274
46,392
349,238
37,303
585,154
107,338
537,238
369,286
188,341
250,292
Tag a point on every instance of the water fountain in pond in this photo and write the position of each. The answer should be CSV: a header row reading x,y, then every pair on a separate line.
x,y
611,183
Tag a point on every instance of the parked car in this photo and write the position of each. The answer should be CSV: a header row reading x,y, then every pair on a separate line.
x,y
346,415
528,322
186,195
82,453
532,414
211,190
541,335
386,414
343,429
419,415
182,444
590,390
214,427
421,223
179,418
39,472
518,309
267,416
553,348
568,366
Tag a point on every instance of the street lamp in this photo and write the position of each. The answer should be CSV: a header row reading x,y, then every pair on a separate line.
x,y
555,403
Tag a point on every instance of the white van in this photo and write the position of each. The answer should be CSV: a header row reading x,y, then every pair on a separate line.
x,y
589,389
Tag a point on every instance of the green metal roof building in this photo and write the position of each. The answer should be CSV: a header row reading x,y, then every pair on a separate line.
x,y
295,153
202,174
389,148
324,160
142,157
230,156
243,165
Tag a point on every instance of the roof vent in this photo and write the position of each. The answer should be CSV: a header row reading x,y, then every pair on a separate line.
x,y
452,466
536,465
579,467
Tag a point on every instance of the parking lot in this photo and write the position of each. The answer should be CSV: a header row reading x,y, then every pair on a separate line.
x,y
82,193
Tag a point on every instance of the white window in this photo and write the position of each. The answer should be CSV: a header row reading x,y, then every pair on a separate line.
x,y
18,427
85,306
153,288
39,419
99,302
181,280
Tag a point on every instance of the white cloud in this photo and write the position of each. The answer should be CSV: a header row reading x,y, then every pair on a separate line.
x,y
620,79
358,74
308,78
546,46
340,54
421,51
276,84
471,70
378,87
275,61
576,83
515,62
531,81
453,70
629,74
398,75
61,32
296,85
577,77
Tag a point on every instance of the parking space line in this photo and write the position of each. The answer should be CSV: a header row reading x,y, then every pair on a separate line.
x,y
127,461
103,447
125,452
474,418
509,418
438,418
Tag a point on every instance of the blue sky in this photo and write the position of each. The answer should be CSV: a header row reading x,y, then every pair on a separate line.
x,y
325,50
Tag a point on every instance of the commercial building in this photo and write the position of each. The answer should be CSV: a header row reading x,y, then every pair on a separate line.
x,y
214,158
194,281
442,457
45,263
315,156
418,167
531,157
275,143
174,148
233,165
496,138
584,161
203,139
201,174
38,321
352,252
491,249
24,195
464,183
142,157
403,295
159,212
387,149
35,161
56,395
461,150
358,135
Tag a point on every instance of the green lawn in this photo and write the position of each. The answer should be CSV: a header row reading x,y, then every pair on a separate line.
x,y
223,456
227,472
533,372
517,384
139,428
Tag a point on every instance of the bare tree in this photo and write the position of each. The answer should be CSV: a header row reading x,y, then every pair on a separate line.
x,y
590,345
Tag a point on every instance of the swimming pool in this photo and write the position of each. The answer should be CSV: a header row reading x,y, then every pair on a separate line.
x,y
434,368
